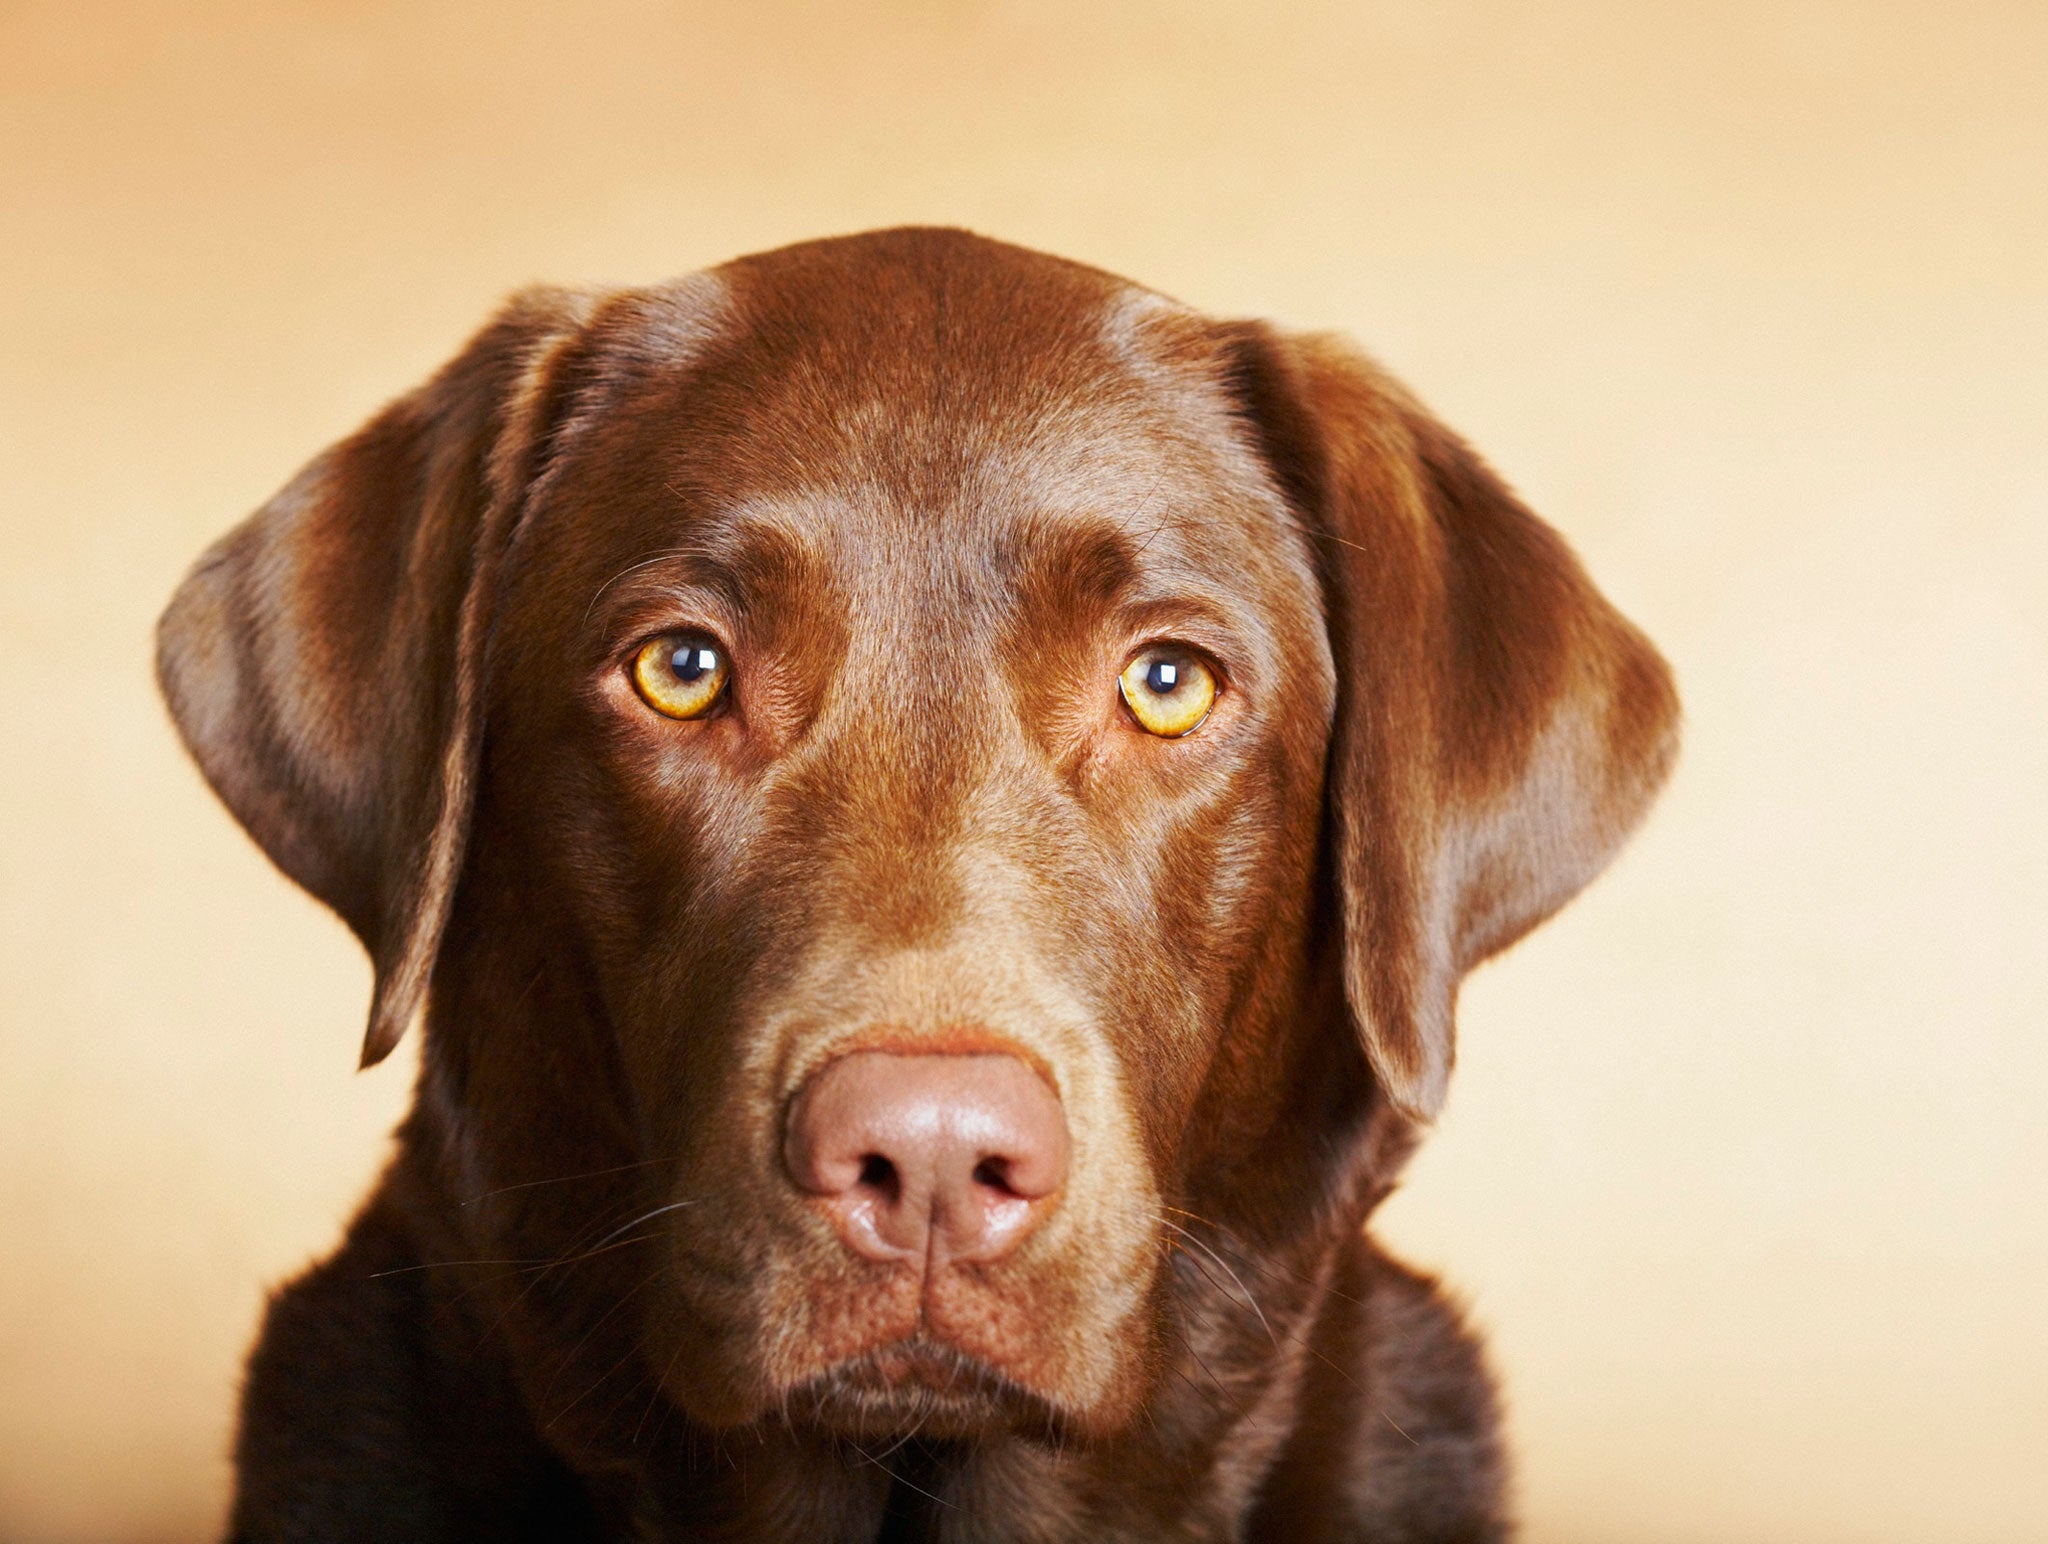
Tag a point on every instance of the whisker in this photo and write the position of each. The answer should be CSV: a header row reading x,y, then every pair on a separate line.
x,y
579,1254
436,1265
1221,1398
659,1211
1304,1338
1188,1345
545,1265
563,1179
1250,1301
897,1446
654,1398
898,1477
602,1378
602,1319
572,1254
637,1385
1264,1263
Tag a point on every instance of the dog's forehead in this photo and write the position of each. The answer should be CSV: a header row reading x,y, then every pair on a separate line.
x,y
918,391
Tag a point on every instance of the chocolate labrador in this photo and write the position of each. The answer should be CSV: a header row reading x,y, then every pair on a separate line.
x,y
932,805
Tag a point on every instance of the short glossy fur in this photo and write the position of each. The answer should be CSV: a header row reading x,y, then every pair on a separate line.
x,y
930,492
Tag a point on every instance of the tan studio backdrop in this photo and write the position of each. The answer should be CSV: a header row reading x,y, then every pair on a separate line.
x,y
1745,1169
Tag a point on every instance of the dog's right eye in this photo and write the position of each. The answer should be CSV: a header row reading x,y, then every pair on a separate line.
x,y
681,674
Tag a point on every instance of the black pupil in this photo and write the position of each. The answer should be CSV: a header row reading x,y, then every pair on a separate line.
x,y
1162,677
692,662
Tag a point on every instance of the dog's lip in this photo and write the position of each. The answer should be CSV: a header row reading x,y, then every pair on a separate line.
x,y
922,1383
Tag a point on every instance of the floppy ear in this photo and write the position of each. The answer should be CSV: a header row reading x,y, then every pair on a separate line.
x,y
323,659
1500,728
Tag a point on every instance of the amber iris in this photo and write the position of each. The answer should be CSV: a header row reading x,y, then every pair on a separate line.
x,y
1169,691
681,674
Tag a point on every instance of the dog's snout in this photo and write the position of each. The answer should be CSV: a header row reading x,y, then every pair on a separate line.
x,y
950,1157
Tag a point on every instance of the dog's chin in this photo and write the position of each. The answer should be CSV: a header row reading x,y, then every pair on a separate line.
x,y
920,1387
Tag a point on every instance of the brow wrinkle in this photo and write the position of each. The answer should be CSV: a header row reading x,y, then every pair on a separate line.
x,y
633,568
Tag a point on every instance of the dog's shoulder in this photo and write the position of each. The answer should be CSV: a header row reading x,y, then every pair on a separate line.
x,y
372,1410
1398,1439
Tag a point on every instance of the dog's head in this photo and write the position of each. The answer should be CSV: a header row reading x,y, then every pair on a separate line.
x,y
922,783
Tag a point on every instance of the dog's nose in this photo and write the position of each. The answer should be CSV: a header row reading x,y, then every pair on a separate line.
x,y
942,1156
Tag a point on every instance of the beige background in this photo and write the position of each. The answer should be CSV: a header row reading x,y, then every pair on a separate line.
x,y
1744,1167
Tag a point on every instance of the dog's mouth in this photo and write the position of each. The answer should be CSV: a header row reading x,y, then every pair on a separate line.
x,y
921,1387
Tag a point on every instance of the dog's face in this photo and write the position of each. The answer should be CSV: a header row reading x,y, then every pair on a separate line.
x,y
938,543
935,770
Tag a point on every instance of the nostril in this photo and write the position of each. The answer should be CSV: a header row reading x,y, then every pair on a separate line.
x,y
994,1174
879,1175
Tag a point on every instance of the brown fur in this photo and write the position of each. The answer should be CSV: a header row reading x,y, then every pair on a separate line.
x,y
931,492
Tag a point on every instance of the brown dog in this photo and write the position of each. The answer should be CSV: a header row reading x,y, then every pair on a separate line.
x,y
934,804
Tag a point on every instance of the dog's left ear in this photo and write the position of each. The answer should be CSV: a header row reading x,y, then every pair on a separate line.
x,y
323,660
1499,728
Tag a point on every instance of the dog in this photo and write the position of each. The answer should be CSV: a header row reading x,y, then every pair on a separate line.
x,y
932,804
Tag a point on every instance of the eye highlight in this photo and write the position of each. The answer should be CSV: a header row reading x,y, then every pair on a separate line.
x,y
1168,690
682,675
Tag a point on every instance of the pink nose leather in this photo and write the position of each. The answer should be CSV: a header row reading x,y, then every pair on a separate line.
x,y
947,1157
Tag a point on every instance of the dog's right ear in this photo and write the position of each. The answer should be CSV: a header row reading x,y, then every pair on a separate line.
x,y
323,660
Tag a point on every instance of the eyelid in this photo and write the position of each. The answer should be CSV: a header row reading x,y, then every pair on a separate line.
x,y
640,607
1197,625
1201,654
642,630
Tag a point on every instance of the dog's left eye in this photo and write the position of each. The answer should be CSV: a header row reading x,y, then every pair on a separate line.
x,y
681,674
1168,690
